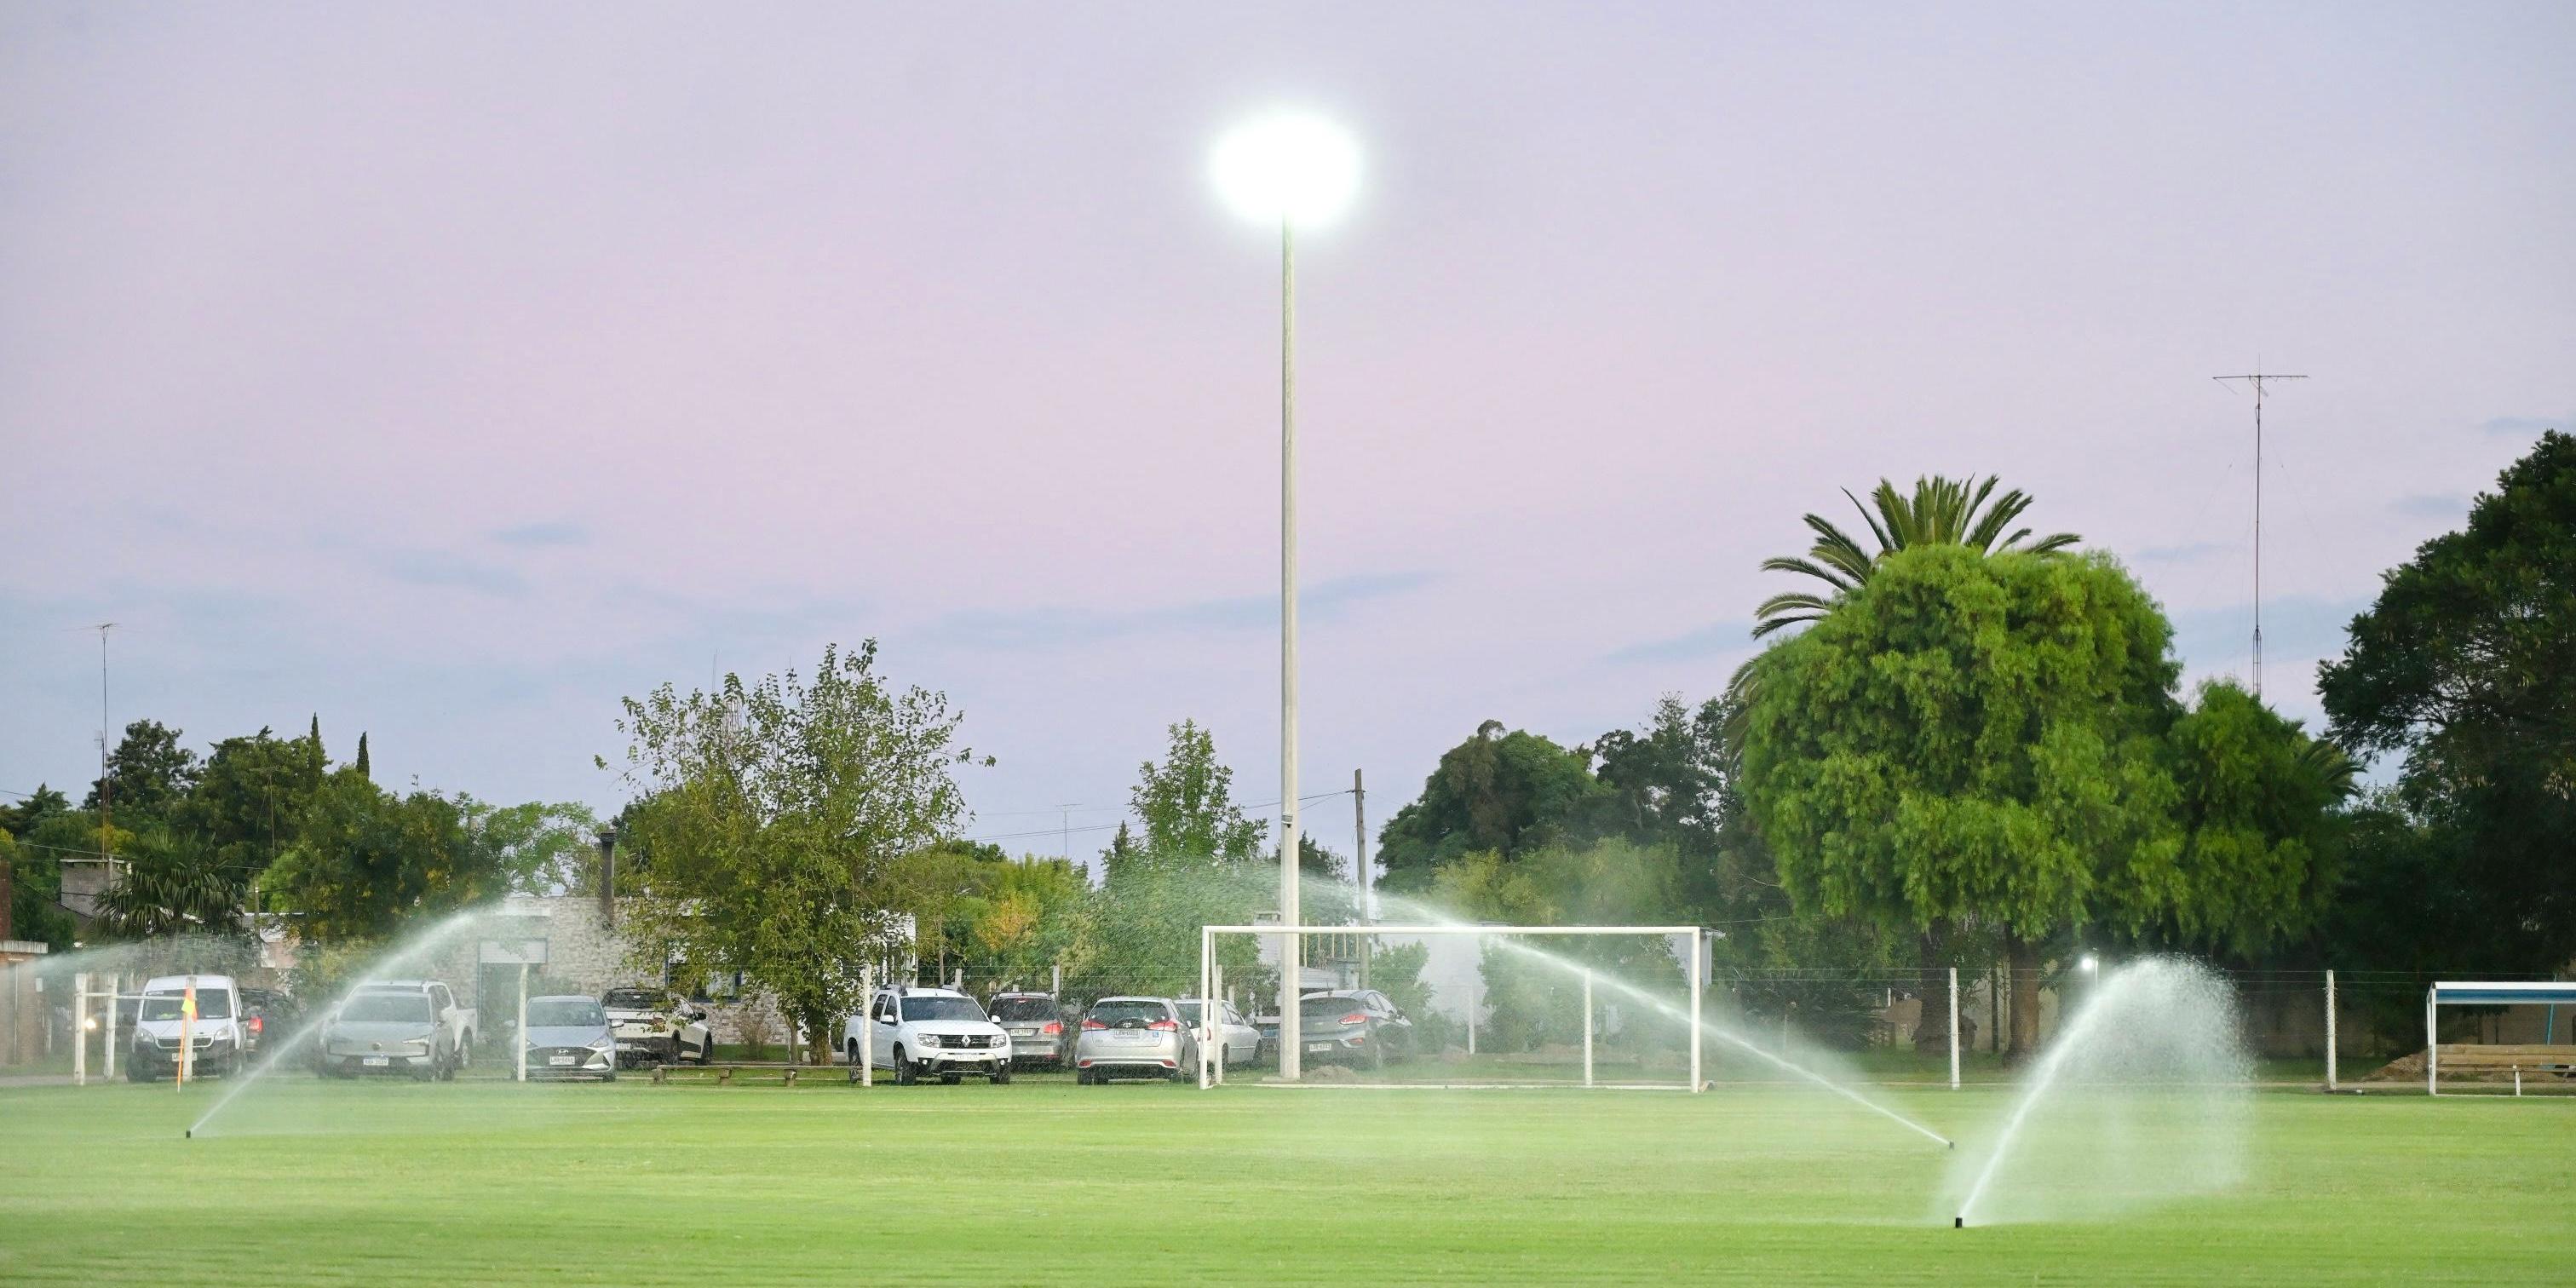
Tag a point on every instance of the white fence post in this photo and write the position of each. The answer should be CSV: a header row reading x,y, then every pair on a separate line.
x,y
2330,1031
2432,1048
1587,1028
80,1030
1698,971
1954,1028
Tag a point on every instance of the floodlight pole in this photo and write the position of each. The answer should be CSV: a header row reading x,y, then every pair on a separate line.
x,y
1291,946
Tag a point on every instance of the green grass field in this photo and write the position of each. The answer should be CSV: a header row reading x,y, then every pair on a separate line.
x,y
1045,1182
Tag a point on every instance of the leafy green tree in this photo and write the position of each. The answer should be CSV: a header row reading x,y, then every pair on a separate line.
x,y
777,809
1187,803
149,771
366,863
543,848
1973,736
1941,511
2466,665
1497,791
168,886
2260,835
360,764
35,895
43,803
249,798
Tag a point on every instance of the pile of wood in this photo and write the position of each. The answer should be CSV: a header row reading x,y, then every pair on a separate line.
x,y
2472,1062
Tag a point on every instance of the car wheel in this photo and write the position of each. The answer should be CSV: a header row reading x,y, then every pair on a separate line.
x,y
1002,1076
135,1073
851,1049
464,1054
707,1049
904,1074
610,1076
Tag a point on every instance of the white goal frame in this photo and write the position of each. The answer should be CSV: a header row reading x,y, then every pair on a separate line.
x,y
1211,977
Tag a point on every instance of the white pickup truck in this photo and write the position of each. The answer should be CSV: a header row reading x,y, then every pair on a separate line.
x,y
401,1026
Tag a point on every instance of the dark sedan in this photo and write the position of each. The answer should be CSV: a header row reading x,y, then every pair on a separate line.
x,y
1354,1026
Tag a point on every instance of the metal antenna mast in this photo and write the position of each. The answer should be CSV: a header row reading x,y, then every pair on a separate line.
x,y
2258,379
106,788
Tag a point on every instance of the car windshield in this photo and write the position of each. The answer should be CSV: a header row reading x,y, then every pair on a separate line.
x,y
941,1008
633,999
565,1013
389,1008
1189,1011
1024,1008
212,1004
1128,1014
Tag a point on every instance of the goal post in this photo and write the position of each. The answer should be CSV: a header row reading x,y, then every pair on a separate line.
x,y
1693,946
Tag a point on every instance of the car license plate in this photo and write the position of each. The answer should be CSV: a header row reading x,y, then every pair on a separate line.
x,y
1022,1033
374,1061
563,1060
1319,1046
1131,1035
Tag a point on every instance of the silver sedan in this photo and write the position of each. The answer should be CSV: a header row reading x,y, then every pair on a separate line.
x,y
1134,1037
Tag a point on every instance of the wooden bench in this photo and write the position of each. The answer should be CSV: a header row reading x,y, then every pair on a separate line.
x,y
2471,1057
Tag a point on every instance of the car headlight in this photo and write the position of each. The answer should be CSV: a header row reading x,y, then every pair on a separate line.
x,y
603,1044
933,1040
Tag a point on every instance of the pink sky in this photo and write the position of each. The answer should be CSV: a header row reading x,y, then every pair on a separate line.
x,y
453,373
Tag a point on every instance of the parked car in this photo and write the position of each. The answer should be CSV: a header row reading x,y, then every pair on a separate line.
x,y
1035,1022
1240,1041
268,1017
568,1037
917,1032
409,1027
214,1034
1133,1037
657,1026
1354,1026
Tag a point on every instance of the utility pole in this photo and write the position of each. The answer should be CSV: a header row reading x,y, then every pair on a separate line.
x,y
2258,380
1068,828
105,787
1359,867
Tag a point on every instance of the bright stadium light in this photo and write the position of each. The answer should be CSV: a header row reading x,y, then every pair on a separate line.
x,y
1288,169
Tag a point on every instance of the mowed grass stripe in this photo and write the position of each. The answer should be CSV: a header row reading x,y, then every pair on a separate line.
x,y
1045,1182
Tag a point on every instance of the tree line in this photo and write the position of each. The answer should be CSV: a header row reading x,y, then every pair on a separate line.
x,y
1960,745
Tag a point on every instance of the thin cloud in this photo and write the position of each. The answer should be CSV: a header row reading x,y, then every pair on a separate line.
x,y
1707,641
449,571
2184,553
2429,505
1325,601
537,535
2523,426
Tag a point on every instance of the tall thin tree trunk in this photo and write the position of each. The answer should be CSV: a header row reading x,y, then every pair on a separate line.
x,y
1932,1033
2024,956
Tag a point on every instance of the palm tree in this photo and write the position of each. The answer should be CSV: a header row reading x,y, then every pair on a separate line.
x,y
1942,511
172,886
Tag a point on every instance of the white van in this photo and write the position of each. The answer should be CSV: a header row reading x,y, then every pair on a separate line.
x,y
216,1032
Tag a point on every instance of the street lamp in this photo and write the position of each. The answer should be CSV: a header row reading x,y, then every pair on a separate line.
x,y
1288,170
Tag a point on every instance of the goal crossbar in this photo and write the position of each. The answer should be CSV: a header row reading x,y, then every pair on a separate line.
x,y
1212,1062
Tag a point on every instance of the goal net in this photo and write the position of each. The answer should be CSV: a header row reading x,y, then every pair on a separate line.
x,y
1443,1004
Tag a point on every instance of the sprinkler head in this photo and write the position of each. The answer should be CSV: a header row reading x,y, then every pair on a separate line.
x,y
1958,1223
189,1134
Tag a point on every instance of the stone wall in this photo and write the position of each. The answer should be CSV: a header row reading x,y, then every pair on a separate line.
x,y
585,954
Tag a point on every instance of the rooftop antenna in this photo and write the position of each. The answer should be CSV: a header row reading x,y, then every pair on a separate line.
x,y
105,787
2258,379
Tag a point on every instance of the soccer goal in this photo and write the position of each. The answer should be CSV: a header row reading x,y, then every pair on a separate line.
x,y
1629,1011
